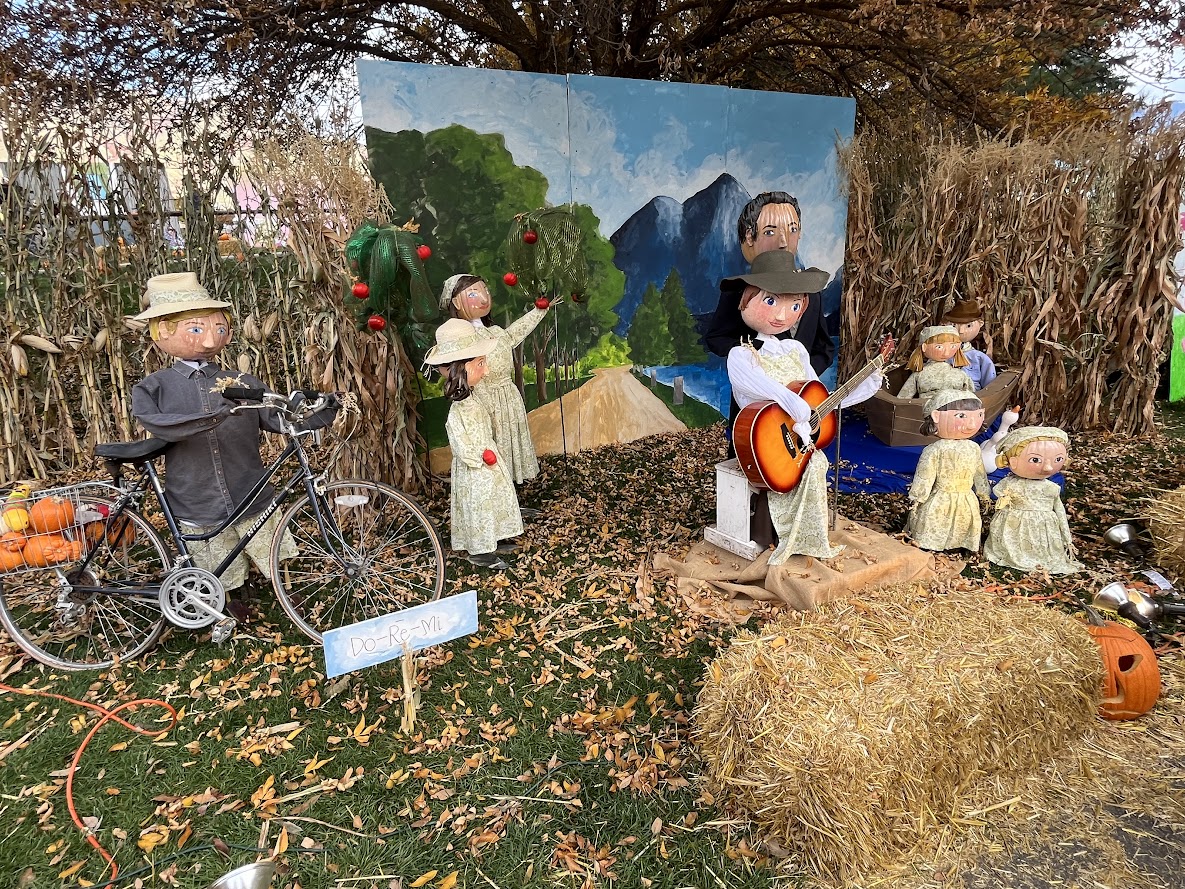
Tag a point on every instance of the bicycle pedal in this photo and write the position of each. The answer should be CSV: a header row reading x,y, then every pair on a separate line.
x,y
223,630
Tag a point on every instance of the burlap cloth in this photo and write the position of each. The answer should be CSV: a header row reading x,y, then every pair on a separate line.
x,y
802,582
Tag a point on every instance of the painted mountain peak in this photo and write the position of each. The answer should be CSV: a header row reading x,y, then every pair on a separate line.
x,y
697,237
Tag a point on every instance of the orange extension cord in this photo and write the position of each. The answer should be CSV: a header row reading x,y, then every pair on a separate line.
x,y
108,716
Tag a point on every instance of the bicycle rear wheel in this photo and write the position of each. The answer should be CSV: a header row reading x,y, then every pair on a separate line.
x,y
49,614
378,553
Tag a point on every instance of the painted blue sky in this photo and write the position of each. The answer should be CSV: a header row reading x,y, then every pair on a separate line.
x,y
615,144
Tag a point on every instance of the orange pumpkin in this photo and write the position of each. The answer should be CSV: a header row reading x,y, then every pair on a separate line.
x,y
50,514
121,532
13,541
50,549
11,559
93,532
1131,685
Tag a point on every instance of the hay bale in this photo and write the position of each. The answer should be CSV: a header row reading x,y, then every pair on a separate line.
x,y
845,734
1166,524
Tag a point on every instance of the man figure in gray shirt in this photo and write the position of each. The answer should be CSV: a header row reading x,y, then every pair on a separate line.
x,y
215,460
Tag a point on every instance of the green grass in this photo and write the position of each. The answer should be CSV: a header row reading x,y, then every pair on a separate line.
x,y
694,414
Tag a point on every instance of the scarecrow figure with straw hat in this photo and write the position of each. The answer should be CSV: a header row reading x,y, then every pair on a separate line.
x,y
483,506
967,320
1030,530
215,458
775,294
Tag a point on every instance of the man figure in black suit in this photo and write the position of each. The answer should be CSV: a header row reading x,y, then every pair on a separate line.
x,y
771,221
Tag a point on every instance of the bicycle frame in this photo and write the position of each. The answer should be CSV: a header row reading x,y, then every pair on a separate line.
x,y
133,494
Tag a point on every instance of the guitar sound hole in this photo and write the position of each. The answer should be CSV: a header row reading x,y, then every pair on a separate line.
x,y
789,441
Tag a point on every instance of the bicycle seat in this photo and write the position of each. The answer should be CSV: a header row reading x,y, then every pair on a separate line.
x,y
134,452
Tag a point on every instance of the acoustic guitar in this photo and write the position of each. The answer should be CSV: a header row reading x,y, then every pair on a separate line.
x,y
770,454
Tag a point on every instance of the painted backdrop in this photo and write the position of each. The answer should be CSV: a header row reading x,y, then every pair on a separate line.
x,y
655,174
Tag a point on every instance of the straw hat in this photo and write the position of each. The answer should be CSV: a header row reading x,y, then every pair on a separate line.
x,y
173,294
775,271
943,397
937,330
458,340
963,312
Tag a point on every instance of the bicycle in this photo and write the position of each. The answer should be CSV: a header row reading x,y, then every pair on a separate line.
x,y
344,551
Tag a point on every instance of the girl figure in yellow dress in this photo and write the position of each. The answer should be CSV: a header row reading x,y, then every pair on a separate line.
x,y
468,297
483,505
932,366
1029,529
950,482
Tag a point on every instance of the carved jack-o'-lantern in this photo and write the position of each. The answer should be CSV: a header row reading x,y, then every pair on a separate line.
x,y
1131,685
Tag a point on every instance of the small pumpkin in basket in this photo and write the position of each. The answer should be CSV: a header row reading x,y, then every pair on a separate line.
x,y
11,559
50,549
51,514
13,541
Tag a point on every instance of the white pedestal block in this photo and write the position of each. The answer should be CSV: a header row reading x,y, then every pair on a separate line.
x,y
733,495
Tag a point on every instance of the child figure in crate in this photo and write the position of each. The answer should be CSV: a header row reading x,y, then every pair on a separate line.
x,y
215,460
483,505
775,295
937,364
950,482
1029,530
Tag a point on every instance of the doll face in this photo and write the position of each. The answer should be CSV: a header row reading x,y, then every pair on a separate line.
x,y
936,351
1039,459
475,369
194,339
777,229
958,423
772,313
969,330
473,302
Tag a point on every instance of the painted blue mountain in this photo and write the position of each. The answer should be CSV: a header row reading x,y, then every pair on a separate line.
x,y
697,237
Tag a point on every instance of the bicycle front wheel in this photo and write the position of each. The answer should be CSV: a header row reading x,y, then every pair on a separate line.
x,y
359,550
75,618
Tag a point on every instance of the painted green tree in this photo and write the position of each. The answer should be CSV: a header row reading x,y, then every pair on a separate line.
x,y
649,335
684,338
464,188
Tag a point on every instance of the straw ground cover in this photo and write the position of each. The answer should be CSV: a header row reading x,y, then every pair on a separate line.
x,y
551,748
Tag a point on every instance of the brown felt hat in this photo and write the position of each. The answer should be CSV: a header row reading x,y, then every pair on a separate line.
x,y
963,311
776,271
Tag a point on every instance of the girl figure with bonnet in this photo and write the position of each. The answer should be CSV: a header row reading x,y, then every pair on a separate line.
x,y
467,297
483,505
950,481
929,363
1030,529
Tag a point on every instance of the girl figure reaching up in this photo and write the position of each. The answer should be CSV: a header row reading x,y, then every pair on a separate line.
x,y
950,482
929,362
483,505
468,297
1030,530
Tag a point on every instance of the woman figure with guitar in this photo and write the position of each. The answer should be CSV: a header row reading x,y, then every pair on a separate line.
x,y
762,371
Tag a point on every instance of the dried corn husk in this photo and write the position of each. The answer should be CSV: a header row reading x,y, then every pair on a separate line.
x,y
34,341
132,323
100,339
73,342
251,329
270,323
20,361
244,363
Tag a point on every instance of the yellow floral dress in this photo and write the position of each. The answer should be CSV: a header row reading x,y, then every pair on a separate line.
x,y
1030,529
800,516
933,376
500,395
483,504
945,512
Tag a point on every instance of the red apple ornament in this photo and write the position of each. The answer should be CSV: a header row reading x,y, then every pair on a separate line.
x,y
542,303
361,290
511,279
423,251
489,457
376,322
530,237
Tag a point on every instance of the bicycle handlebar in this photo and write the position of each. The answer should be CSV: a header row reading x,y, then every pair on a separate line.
x,y
301,405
